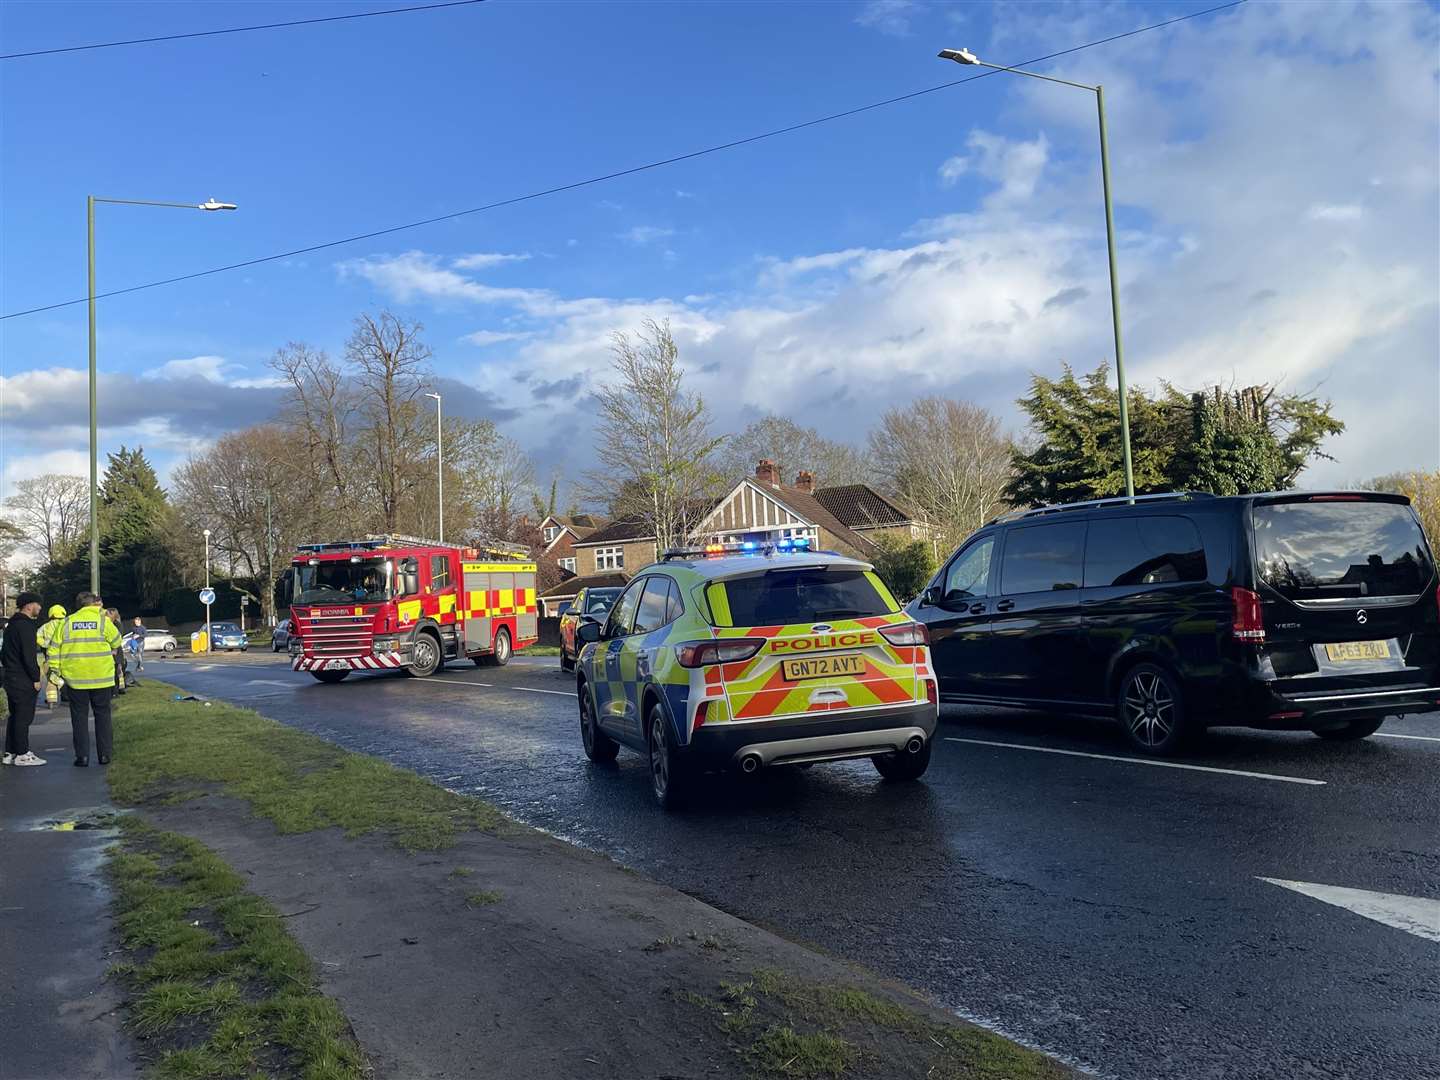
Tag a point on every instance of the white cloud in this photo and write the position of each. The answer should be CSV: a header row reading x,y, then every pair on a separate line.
x,y
1014,166
482,259
493,337
641,235
1335,212
887,16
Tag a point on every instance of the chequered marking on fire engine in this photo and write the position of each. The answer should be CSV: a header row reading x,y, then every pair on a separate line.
x,y
447,603
499,568
408,610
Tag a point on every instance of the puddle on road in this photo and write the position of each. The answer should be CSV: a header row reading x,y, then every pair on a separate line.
x,y
83,819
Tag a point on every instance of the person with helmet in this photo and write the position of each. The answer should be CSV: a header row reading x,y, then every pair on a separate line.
x,y
86,654
46,639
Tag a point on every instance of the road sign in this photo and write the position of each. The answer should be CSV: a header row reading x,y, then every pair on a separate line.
x,y
244,601
207,596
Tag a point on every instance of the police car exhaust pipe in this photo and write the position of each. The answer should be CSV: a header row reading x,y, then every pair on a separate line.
x,y
915,745
750,763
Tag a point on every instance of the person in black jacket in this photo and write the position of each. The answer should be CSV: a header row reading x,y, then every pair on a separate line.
x,y
20,672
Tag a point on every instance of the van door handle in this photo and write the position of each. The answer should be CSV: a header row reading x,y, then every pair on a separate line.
x,y
1005,605
977,609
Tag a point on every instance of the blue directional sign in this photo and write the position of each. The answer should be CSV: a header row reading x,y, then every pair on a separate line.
x,y
207,596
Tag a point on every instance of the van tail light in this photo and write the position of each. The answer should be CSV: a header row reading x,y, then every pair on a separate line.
x,y
1247,621
703,653
1437,599
906,634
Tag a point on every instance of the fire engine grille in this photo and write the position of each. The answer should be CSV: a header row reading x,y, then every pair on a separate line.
x,y
336,635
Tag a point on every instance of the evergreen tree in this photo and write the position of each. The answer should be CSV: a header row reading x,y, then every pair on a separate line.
x,y
136,566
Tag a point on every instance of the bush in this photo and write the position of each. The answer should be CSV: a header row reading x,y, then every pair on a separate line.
x,y
904,565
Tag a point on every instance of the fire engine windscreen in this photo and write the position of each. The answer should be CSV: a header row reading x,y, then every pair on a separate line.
x,y
332,582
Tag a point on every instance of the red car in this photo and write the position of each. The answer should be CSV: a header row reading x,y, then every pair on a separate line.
x,y
591,604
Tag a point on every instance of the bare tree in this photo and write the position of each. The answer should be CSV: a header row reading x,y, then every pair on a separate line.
x,y
793,448
652,438
321,404
52,512
949,458
390,371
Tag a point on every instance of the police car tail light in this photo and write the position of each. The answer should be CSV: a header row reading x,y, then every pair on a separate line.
x,y
703,653
906,634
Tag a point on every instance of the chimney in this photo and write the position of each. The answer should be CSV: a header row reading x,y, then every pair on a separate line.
x,y
767,472
805,481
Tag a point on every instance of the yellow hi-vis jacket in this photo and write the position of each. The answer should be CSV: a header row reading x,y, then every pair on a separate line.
x,y
85,653
47,637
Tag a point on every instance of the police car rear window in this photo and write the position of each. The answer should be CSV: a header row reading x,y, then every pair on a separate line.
x,y
783,597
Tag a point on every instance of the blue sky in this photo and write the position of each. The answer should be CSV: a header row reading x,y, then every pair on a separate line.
x,y
1275,167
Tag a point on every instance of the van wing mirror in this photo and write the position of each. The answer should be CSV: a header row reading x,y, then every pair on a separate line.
x,y
931,597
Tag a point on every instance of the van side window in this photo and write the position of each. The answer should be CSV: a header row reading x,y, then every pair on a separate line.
x,y
1042,558
969,575
439,571
1143,550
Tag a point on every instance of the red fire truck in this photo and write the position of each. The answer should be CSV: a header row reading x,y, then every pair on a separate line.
x,y
402,602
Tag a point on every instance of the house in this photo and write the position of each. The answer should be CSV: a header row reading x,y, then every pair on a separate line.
x,y
850,519
559,534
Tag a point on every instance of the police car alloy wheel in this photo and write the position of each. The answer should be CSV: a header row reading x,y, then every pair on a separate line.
x,y
666,778
599,747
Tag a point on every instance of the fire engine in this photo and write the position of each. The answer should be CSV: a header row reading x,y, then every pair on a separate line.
x,y
400,602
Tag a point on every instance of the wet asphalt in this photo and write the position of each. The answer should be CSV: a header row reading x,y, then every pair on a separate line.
x,y
1107,911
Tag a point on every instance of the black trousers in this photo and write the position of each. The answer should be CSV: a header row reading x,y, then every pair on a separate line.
x,y
21,700
81,704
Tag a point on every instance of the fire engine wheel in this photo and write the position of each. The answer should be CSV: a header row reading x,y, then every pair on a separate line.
x,y
427,656
500,655
330,676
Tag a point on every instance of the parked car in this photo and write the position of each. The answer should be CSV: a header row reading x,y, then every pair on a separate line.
x,y
592,604
742,658
160,641
228,636
1310,611
280,636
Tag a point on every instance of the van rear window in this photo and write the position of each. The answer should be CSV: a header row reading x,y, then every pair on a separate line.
x,y
782,597
1318,550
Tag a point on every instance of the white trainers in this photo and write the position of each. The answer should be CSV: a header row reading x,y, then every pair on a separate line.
x,y
7,759
27,758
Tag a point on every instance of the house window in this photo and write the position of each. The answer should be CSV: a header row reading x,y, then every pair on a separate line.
x,y
567,564
551,532
610,558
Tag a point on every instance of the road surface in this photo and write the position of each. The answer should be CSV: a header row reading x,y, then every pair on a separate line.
x,y
1266,907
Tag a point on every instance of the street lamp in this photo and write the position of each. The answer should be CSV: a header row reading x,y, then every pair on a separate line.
x,y
965,56
207,589
90,201
439,463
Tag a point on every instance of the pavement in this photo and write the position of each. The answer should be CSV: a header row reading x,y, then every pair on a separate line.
x,y
1268,906
55,924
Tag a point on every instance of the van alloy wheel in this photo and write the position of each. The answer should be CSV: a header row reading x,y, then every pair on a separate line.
x,y
1151,709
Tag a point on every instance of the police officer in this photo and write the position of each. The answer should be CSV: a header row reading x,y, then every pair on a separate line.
x,y
86,656
20,672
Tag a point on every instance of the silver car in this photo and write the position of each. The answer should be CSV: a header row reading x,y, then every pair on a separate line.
x,y
280,636
160,641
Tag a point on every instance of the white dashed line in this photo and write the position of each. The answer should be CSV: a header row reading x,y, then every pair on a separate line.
x,y
1417,738
497,686
1142,761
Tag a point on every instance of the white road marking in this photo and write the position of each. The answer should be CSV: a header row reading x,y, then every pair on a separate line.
x,y
1143,761
271,682
497,686
1413,914
1397,735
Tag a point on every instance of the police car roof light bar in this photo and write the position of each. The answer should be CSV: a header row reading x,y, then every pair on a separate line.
x,y
800,544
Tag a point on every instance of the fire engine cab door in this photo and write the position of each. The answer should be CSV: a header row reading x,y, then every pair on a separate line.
x,y
476,596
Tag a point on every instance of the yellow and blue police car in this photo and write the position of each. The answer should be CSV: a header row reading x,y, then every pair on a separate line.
x,y
753,655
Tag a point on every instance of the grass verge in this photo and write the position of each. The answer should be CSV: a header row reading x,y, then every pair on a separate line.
x,y
219,988
782,1026
177,750
541,650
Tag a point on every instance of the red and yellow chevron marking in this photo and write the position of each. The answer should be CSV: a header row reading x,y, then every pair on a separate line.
x,y
758,688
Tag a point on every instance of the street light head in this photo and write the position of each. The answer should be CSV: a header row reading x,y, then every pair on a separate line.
x,y
960,56
435,396
206,533
211,204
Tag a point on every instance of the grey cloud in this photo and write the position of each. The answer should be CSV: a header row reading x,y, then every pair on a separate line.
x,y
1066,297
1260,296
559,389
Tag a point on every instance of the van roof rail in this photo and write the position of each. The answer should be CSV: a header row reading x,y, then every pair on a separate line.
x,y
1091,504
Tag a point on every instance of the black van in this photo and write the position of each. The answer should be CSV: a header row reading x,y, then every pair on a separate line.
x,y
1295,610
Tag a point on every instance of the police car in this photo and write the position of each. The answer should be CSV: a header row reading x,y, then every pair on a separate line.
x,y
753,655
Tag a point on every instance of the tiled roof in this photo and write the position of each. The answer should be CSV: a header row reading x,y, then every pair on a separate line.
x,y
619,532
814,511
582,525
571,586
862,507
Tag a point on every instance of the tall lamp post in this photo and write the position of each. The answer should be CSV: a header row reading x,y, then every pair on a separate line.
x,y
965,56
90,201
439,462
207,587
